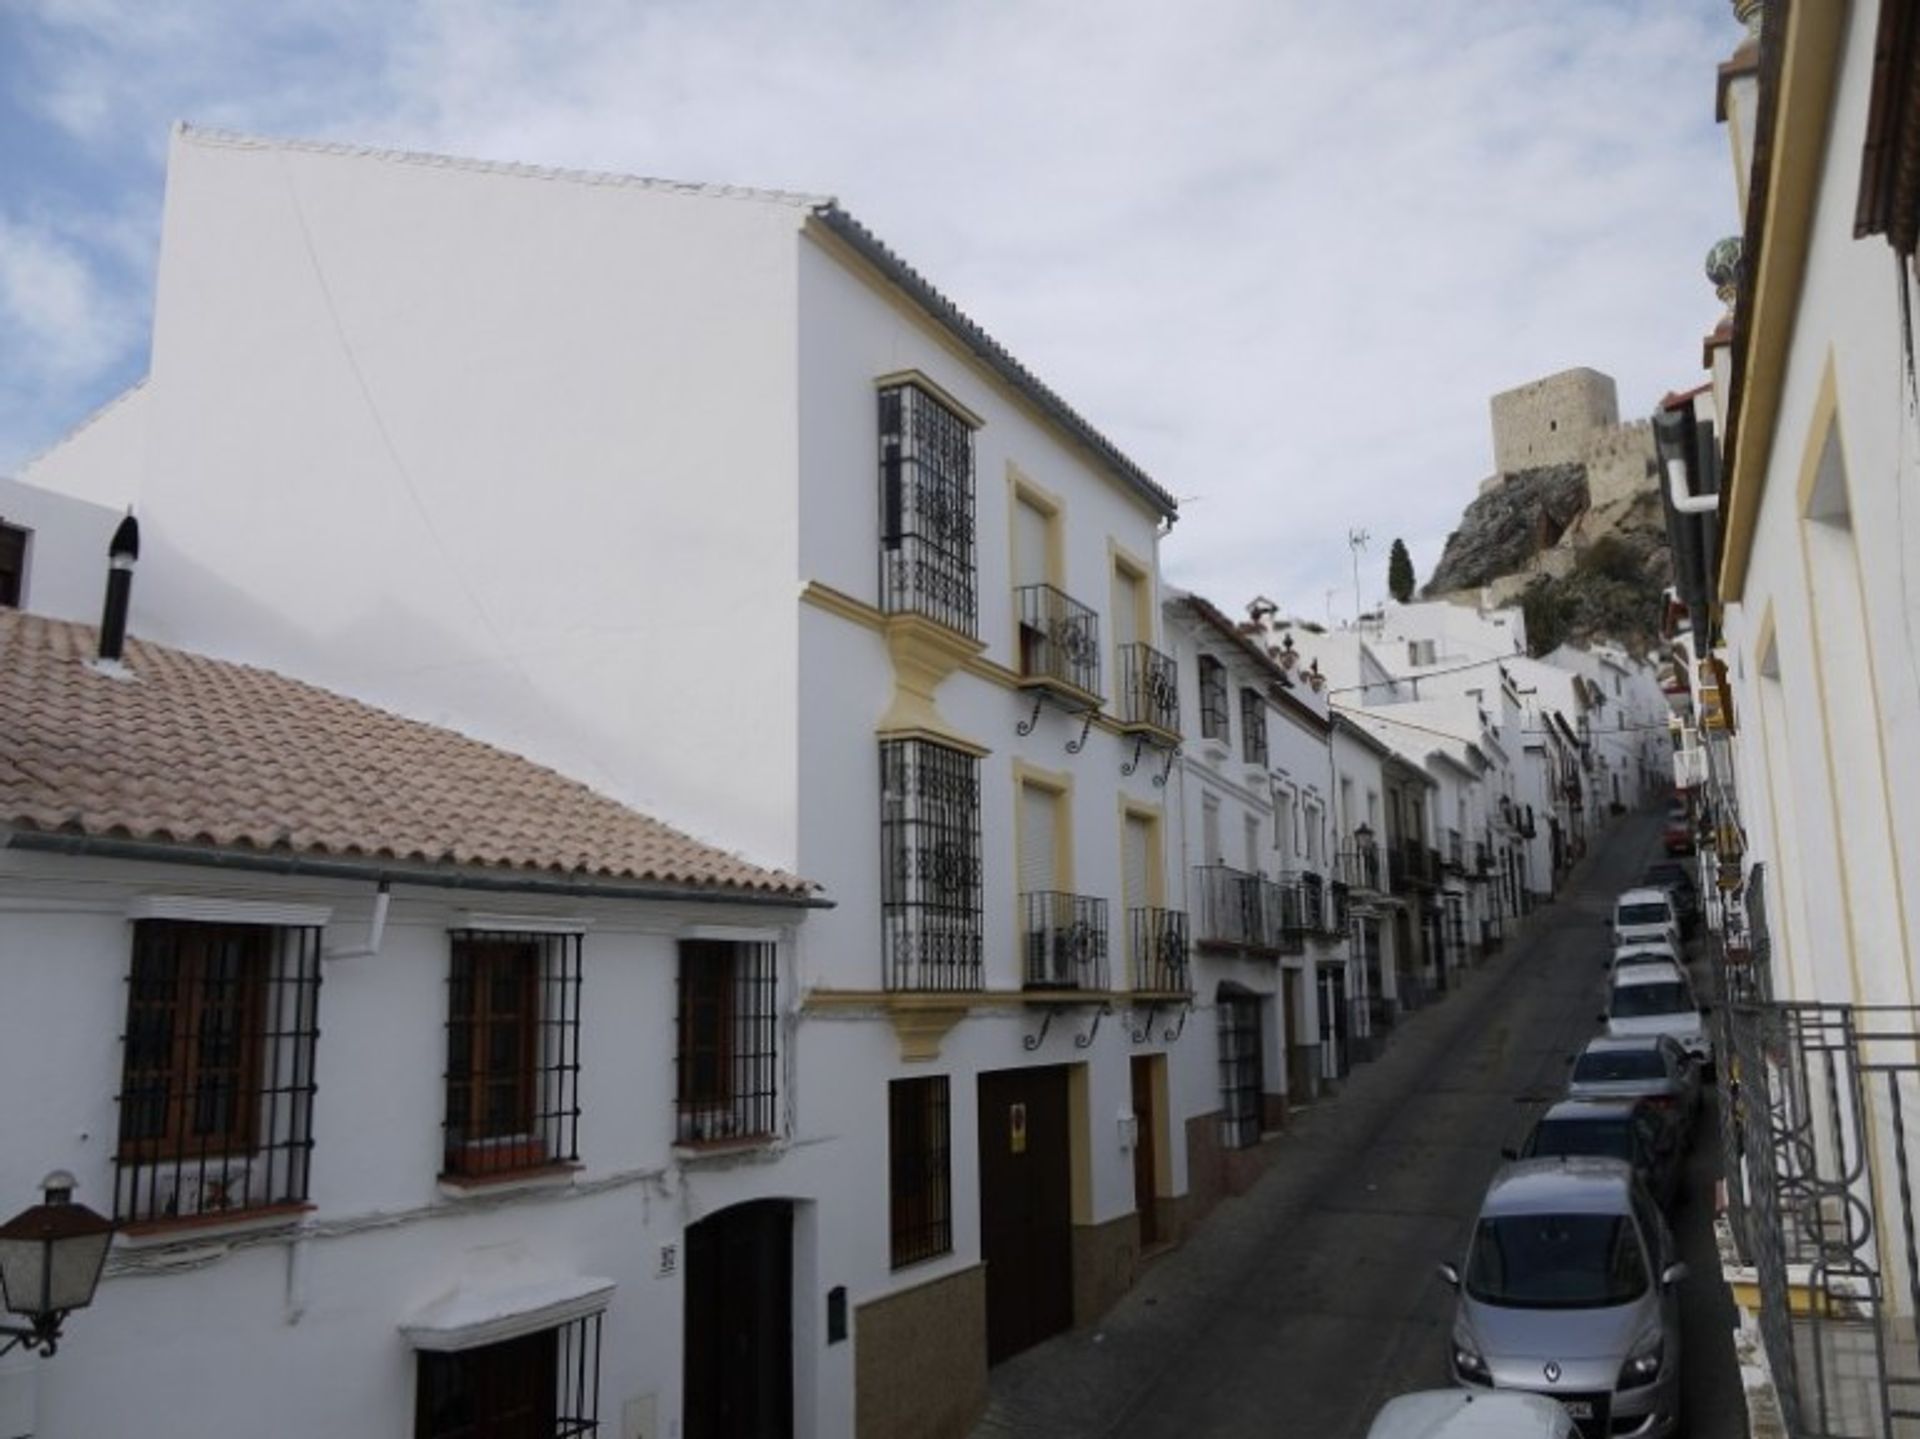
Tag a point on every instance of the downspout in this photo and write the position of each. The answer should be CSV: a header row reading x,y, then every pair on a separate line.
x,y
1680,495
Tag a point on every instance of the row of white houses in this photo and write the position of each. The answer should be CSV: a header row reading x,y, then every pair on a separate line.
x,y
1012,898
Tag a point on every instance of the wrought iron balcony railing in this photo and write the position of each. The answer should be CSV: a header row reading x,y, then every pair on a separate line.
x,y
1059,639
1313,903
1456,851
1159,951
1338,897
1482,858
1149,690
1359,865
1245,911
1066,940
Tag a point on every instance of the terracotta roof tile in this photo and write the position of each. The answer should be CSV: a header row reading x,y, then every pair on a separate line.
x,y
205,752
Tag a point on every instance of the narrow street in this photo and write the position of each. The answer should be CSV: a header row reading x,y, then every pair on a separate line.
x,y
1300,1307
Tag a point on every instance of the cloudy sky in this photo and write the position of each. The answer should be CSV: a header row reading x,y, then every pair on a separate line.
x,y
1281,251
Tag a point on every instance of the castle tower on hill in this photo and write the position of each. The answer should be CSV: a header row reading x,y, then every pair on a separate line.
x,y
1552,421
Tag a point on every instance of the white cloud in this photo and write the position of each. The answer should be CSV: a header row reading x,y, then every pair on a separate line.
x,y
1281,252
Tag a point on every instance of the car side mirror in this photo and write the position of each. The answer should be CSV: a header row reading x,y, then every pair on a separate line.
x,y
1601,1018
1705,1010
1672,1275
1452,1275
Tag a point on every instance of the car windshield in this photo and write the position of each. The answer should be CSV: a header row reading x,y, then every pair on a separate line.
x,y
1556,1261
1668,875
1609,1066
1634,1001
1607,1138
1643,914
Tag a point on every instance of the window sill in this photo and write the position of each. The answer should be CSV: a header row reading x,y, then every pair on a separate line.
x,y
696,1151
217,1225
510,1181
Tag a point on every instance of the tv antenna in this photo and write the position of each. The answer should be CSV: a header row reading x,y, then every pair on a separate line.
x,y
1357,541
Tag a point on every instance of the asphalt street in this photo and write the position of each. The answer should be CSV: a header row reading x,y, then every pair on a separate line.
x,y
1301,1306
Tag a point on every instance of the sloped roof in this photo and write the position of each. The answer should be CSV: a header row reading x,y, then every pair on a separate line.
x,y
198,752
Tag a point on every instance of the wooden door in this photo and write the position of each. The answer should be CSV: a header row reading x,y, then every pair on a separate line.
x,y
738,1367
1145,1157
1026,1207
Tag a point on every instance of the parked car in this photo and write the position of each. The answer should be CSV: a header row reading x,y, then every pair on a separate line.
x,y
1676,835
1677,880
1471,1414
1643,951
1645,914
1569,1288
1658,999
1652,1067
1636,1130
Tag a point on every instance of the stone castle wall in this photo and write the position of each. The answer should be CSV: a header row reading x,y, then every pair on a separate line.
x,y
1551,421
1621,464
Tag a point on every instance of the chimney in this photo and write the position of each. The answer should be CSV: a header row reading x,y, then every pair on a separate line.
x,y
121,554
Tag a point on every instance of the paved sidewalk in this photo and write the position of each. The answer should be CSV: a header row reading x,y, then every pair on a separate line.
x,y
1092,1382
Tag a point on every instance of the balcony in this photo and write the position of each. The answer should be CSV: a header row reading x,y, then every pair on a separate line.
x,y
1411,863
1059,643
1245,912
1358,866
1149,692
1456,860
1482,860
1158,951
1066,941
1337,907
1313,903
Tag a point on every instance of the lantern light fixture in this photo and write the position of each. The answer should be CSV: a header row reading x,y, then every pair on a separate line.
x,y
51,1256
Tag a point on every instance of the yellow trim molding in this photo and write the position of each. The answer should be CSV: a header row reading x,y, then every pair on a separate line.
x,y
1808,72
932,387
839,602
924,653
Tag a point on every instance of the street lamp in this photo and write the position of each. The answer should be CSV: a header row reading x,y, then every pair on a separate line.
x,y
51,1256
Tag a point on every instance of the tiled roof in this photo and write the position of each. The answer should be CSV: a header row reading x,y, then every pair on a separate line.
x,y
201,752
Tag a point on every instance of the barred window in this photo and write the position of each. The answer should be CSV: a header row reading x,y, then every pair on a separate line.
x,y
930,889
728,1027
926,509
1213,698
13,564
544,1385
216,1092
1253,727
920,1158
513,1053
1240,1068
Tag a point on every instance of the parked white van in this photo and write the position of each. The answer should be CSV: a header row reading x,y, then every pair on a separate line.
x,y
1645,914
1653,999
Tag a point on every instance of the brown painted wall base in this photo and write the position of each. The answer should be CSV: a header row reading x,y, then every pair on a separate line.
x,y
1213,1173
920,1359
1105,1257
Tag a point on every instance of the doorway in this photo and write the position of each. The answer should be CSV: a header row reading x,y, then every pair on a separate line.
x,y
1146,1154
738,1367
1026,1207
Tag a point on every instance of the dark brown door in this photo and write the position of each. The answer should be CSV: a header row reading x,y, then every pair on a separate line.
x,y
739,1340
1144,1159
1026,1208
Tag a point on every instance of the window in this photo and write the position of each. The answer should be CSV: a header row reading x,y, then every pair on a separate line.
x,y
1240,1068
926,509
726,1087
930,891
1313,832
1419,653
539,1386
13,565
1213,698
1253,727
920,1156
216,1093
513,1053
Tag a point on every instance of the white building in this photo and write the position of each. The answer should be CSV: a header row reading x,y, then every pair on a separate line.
x,y
705,497
401,1062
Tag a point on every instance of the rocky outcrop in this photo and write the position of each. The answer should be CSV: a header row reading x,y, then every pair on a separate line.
x,y
1508,524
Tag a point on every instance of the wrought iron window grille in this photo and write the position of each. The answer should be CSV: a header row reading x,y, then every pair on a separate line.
x,y
546,1383
1213,698
217,1070
727,1087
1159,951
920,1163
931,903
1253,727
1059,639
927,540
1066,941
513,1053
1241,1064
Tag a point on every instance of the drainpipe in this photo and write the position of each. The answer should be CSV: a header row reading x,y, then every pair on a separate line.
x,y
1680,494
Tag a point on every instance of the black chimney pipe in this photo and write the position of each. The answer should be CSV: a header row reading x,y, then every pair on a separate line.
x,y
121,554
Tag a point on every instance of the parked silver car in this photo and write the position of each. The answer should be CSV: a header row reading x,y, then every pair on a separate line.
x,y
1636,1130
1658,999
1569,1289
1648,1066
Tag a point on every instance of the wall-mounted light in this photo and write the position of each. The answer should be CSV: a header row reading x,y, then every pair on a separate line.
x,y
50,1261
